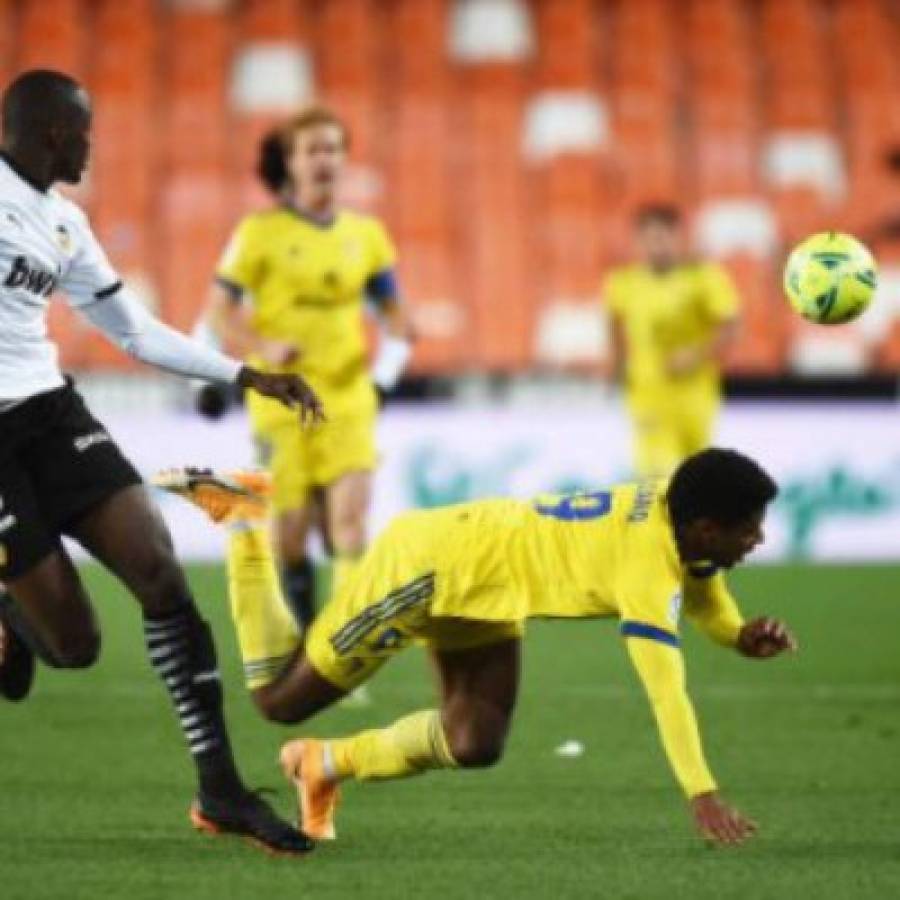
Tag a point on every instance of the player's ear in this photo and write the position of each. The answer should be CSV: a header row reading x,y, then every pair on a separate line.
x,y
706,530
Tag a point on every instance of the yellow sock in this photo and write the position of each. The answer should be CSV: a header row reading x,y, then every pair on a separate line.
x,y
267,633
342,569
410,746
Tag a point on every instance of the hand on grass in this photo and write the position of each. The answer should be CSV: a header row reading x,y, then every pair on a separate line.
x,y
764,638
718,823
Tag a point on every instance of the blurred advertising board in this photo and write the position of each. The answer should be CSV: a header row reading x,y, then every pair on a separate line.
x,y
838,465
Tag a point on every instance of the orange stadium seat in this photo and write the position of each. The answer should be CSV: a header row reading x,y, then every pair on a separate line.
x,y
428,277
760,345
567,39
348,43
56,35
347,50
194,222
569,225
497,240
196,128
417,169
698,95
8,50
418,30
273,20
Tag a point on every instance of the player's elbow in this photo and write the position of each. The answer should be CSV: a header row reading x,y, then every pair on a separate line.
x,y
277,706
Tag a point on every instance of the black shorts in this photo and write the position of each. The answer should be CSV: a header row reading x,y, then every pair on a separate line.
x,y
56,463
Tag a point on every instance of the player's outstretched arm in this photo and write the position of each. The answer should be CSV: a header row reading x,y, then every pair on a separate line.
x,y
661,669
122,318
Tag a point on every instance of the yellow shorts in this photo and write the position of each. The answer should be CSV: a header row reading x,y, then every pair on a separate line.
x,y
670,429
384,607
302,459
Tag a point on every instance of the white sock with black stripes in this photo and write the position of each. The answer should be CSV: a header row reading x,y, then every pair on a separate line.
x,y
182,653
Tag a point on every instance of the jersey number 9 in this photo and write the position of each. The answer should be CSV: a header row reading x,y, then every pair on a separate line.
x,y
579,507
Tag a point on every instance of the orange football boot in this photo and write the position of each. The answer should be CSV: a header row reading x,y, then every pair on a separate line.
x,y
224,496
303,763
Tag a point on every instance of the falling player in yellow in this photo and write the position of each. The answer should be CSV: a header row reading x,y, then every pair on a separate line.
x,y
464,579
290,294
671,318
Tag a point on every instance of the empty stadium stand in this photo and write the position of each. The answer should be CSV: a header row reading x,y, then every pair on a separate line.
x,y
506,142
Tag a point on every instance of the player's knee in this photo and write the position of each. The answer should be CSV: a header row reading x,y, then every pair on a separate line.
x,y
476,749
78,649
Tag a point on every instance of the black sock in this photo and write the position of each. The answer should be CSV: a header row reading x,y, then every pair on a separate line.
x,y
182,653
14,618
299,580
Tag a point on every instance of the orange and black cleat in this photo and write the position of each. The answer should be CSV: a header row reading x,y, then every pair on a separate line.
x,y
241,495
251,818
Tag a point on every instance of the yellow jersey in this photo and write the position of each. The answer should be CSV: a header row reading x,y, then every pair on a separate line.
x,y
480,569
608,553
663,312
307,285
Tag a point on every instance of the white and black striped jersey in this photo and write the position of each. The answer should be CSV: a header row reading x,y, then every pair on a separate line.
x,y
46,244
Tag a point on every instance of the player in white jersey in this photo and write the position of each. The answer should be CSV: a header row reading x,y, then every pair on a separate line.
x,y
61,473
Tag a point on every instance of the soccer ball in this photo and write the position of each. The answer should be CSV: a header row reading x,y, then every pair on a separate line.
x,y
830,278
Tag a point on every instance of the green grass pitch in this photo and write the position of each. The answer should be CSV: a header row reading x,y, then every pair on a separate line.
x,y
94,784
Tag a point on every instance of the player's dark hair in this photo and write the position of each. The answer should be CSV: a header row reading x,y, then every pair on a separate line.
x,y
35,100
271,164
722,485
662,213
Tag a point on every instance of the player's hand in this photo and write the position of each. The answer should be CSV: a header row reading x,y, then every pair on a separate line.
x,y
764,638
291,390
278,353
719,823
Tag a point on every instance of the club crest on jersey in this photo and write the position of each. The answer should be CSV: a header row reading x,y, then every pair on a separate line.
x,y
30,277
675,608
64,239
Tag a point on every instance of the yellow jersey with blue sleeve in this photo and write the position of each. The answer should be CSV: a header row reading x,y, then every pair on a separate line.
x,y
660,313
308,283
471,574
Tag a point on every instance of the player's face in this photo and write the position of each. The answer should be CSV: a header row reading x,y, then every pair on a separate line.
x,y
71,139
317,161
659,243
727,545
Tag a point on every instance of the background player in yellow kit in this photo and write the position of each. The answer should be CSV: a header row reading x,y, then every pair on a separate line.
x,y
305,268
464,579
671,318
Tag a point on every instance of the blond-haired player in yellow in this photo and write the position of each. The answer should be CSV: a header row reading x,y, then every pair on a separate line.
x,y
463,580
290,294
671,318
